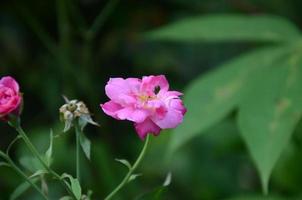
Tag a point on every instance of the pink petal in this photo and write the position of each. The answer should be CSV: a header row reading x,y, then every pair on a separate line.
x,y
149,83
131,114
10,82
11,105
173,117
159,107
134,84
111,108
169,94
146,127
178,105
122,90
119,112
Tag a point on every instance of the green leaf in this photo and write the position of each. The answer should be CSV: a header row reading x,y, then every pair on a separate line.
x,y
124,162
49,152
21,189
32,164
76,188
227,28
86,119
74,185
212,96
269,114
85,144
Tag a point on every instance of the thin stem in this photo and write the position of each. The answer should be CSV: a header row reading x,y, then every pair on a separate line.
x,y
17,169
78,167
131,170
23,175
38,156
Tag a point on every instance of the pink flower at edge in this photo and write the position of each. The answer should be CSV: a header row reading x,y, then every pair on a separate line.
x,y
10,97
147,102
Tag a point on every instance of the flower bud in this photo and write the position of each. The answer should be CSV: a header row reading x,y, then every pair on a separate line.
x,y
73,110
10,98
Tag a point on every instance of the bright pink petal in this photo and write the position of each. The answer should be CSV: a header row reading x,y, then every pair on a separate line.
x,y
111,108
177,104
146,127
131,114
159,108
11,105
134,84
169,94
173,117
122,90
10,82
116,111
150,84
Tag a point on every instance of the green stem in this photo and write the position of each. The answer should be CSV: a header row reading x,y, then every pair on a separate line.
x,y
21,173
131,170
78,167
38,156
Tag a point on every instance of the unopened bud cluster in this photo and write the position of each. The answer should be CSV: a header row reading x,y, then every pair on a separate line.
x,y
72,110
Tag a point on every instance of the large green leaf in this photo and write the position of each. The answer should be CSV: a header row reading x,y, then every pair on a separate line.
x,y
227,28
269,114
211,97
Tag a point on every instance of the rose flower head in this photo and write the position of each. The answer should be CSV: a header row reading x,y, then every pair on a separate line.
x,y
10,98
147,102
75,109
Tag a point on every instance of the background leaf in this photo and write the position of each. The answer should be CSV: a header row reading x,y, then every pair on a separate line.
x,y
228,28
269,115
211,97
85,144
124,162
48,153
74,185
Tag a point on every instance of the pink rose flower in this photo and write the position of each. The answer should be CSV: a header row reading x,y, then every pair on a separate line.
x,y
147,102
10,97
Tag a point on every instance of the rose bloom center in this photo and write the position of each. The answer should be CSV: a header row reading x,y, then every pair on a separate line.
x,y
5,95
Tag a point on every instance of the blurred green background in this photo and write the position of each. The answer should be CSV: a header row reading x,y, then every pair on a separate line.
x,y
73,47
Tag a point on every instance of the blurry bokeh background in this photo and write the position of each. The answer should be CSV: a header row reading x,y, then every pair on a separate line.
x,y
47,47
